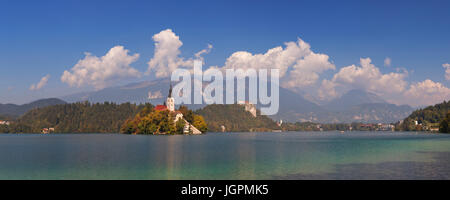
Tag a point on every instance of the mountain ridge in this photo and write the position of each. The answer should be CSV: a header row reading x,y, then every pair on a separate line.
x,y
18,110
353,98
356,105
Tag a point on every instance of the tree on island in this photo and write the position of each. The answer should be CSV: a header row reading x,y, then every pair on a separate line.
x,y
152,121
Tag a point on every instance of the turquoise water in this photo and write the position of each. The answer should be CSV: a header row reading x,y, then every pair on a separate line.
x,y
291,155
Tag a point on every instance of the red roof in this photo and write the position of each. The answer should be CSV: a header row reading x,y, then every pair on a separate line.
x,y
161,107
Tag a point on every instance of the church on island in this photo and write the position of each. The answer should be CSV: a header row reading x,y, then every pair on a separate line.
x,y
169,105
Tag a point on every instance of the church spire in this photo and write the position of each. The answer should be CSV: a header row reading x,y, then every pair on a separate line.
x,y
170,90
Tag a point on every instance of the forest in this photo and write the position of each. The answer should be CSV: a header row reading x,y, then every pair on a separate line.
x,y
81,117
431,117
234,118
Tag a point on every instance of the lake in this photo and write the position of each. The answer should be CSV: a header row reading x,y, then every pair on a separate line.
x,y
289,155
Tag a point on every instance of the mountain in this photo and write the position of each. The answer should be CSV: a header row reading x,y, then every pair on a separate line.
x,y
18,110
354,106
368,113
353,98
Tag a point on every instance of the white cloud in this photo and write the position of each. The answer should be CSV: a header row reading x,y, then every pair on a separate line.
x,y
298,65
426,93
155,95
387,62
198,55
306,71
166,57
368,77
101,72
306,66
447,71
274,58
327,90
391,86
41,83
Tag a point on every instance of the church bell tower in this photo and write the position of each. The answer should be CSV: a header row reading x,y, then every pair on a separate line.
x,y
170,102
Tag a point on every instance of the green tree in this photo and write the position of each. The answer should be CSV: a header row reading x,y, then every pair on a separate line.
x,y
180,126
200,123
444,126
188,115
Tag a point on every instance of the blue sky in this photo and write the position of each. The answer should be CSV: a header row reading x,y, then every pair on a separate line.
x,y
48,37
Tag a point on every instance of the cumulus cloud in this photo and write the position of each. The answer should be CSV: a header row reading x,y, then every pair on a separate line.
x,y
327,90
166,56
306,71
426,93
101,72
391,86
278,57
41,83
297,58
368,77
387,62
299,66
447,71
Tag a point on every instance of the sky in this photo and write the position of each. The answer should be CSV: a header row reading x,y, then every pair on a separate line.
x,y
399,50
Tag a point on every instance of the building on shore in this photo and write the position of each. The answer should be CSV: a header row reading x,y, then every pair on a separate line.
x,y
47,130
279,123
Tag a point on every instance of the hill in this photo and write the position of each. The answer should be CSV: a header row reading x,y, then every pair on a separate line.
x,y
13,110
234,118
427,118
77,118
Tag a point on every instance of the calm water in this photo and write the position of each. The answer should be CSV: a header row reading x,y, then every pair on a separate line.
x,y
302,155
